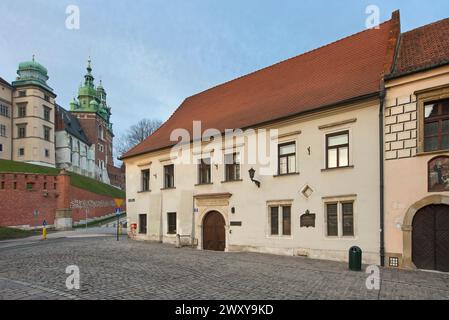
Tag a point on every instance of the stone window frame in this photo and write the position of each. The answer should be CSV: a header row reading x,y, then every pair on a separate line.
x,y
3,131
22,109
422,97
47,131
46,113
21,130
5,110
279,204
339,201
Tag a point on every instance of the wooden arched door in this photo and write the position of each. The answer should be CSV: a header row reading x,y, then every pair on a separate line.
x,y
214,234
430,238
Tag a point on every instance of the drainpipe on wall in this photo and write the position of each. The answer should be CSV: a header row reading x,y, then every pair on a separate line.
x,y
381,175
161,224
12,124
193,222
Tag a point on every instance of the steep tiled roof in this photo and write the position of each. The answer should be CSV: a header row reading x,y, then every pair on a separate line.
x,y
68,122
423,48
343,70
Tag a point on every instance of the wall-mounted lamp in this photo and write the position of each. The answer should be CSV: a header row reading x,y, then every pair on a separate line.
x,y
233,210
155,176
252,173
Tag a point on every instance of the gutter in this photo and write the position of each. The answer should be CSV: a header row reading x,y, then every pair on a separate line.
x,y
394,75
381,176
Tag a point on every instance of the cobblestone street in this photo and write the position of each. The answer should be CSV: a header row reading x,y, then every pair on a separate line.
x,y
138,270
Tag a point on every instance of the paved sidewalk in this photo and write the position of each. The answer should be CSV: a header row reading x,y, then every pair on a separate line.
x,y
126,269
76,233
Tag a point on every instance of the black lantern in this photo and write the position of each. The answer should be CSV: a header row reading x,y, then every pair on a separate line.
x,y
252,173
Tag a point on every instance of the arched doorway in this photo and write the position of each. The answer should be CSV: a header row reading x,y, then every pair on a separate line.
x,y
214,235
430,238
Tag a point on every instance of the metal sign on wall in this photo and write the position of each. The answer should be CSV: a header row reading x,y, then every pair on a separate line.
x,y
307,220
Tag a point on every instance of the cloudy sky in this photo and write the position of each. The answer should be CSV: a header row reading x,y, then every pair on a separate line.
x,y
153,54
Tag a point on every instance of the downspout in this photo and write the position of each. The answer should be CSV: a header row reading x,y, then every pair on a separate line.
x,y
161,216
381,175
193,222
12,124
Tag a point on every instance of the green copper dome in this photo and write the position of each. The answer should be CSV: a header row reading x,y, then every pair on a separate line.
x,y
32,65
92,98
32,73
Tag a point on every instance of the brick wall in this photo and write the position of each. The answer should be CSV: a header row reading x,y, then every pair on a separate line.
x,y
18,202
98,205
401,128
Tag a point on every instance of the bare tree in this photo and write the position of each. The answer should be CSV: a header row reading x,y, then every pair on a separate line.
x,y
136,134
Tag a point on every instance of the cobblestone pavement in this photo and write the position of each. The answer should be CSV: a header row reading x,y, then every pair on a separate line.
x,y
142,270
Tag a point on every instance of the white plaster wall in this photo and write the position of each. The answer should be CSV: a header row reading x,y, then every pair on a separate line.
x,y
85,164
250,202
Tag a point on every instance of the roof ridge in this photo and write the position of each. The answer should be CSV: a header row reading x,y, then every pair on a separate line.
x,y
288,59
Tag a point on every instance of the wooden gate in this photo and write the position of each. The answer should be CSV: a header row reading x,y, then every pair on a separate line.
x,y
430,238
214,235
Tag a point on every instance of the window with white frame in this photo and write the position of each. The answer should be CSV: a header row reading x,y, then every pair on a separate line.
x,y
337,150
339,219
287,158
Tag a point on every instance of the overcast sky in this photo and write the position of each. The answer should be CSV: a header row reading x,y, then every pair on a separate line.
x,y
151,55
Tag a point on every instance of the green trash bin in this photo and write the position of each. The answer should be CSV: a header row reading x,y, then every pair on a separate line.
x,y
355,259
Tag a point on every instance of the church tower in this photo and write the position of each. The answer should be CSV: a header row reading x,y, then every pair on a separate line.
x,y
94,114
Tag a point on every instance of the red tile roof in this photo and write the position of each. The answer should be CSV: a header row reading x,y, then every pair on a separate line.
x,y
346,69
423,48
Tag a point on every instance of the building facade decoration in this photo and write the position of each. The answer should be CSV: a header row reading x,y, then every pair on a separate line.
x,y
417,151
438,174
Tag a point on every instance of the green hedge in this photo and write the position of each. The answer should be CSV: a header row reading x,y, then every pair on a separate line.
x,y
76,180
11,233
